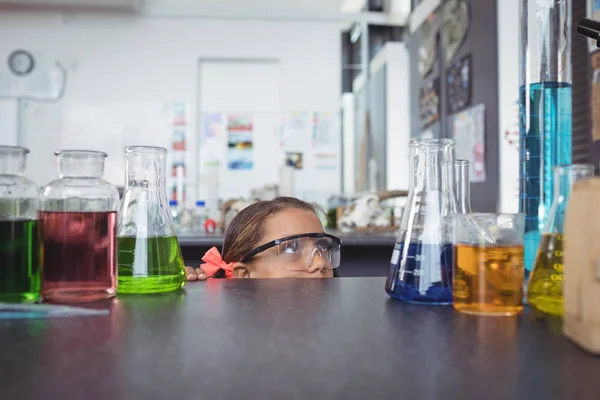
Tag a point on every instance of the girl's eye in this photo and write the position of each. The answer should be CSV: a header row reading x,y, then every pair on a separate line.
x,y
291,246
324,245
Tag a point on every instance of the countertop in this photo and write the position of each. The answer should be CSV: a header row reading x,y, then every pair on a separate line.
x,y
348,239
290,339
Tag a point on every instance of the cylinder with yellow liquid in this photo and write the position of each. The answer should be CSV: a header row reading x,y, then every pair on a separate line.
x,y
545,289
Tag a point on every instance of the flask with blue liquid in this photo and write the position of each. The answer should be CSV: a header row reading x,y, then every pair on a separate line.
x,y
421,264
545,110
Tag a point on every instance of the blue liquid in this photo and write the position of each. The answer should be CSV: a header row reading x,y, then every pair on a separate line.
x,y
421,273
545,141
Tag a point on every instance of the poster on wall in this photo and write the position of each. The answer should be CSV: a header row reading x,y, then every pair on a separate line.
x,y
179,114
468,130
428,51
240,144
212,125
595,95
430,103
455,27
593,12
458,85
178,153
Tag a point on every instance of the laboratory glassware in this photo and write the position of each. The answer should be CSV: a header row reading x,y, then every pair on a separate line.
x,y
545,288
488,269
421,264
199,217
545,110
78,222
462,185
19,240
149,255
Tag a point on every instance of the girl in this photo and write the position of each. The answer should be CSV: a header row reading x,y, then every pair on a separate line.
x,y
281,238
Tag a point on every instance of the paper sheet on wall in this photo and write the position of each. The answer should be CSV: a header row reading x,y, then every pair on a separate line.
x,y
468,130
110,128
295,132
325,130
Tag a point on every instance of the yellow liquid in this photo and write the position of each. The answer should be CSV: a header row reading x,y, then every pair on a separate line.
x,y
488,280
545,290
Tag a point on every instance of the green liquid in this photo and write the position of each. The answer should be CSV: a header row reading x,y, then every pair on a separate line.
x,y
19,261
150,265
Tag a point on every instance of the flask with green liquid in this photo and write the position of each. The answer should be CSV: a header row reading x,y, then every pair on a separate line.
x,y
149,255
545,290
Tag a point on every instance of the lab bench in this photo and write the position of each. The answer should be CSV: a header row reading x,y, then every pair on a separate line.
x,y
363,254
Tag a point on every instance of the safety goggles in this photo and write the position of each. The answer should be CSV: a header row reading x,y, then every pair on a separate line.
x,y
298,252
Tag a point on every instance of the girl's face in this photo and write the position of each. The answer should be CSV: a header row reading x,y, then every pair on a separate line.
x,y
298,258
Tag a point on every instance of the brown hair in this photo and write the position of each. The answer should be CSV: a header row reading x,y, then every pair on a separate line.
x,y
248,226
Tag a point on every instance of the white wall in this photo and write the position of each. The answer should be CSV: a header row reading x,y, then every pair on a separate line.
x,y
116,59
508,92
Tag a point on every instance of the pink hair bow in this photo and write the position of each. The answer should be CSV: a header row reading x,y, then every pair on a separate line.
x,y
214,262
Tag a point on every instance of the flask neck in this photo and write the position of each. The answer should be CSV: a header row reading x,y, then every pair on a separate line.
x,y
12,160
145,168
80,164
428,162
462,185
565,177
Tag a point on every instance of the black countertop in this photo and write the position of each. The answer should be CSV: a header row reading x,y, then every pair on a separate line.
x,y
290,339
348,239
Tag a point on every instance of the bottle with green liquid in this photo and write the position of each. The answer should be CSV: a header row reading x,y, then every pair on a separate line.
x,y
19,238
545,289
149,257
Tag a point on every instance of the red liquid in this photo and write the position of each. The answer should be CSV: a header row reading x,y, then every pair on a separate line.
x,y
79,256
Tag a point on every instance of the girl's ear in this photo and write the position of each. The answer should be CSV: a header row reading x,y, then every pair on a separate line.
x,y
240,270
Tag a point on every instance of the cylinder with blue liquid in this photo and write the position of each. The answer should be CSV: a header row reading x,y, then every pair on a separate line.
x,y
545,110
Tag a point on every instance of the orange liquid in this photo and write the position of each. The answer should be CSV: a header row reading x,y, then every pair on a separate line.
x,y
488,280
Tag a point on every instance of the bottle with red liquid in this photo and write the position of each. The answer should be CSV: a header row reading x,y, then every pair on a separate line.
x,y
78,226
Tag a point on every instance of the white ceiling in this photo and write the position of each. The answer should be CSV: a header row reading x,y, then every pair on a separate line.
x,y
346,11
253,5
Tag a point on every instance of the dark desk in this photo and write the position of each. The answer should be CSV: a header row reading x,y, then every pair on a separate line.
x,y
290,339
363,254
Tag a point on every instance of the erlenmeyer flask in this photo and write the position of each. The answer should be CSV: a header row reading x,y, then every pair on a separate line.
x,y
421,264
462,185
19,241
545,289
149,255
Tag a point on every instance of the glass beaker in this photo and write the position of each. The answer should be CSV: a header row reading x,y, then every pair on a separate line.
x,y
421,264
488,266
462,185
149,255
19,240
545,287
79,228
544,108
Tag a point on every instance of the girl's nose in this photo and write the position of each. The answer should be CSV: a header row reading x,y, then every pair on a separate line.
x,y
317,262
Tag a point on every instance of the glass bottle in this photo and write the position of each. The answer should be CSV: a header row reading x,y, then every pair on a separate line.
x,y
421,264
78,227
545,289
19,241
149,255
544,108
462,185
